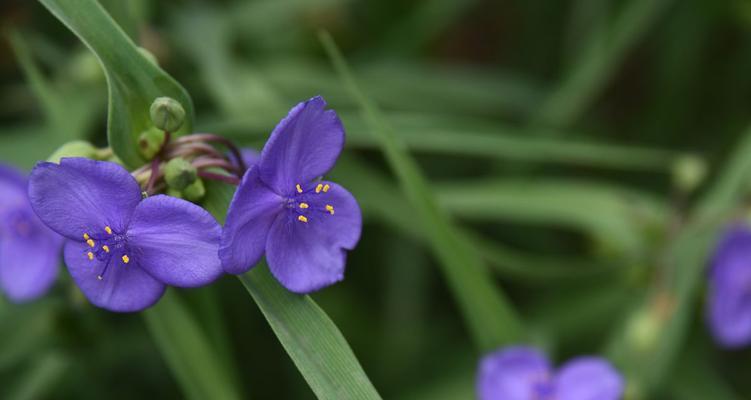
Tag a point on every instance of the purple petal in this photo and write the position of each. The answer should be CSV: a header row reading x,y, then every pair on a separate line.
x,y
729,282
588,378
515,373
175,241
28,265
250,157
252,211
307,256
123,287
12,189
304,146
80,195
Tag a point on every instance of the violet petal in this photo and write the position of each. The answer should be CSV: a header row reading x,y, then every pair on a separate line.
x,y
514,373
588,378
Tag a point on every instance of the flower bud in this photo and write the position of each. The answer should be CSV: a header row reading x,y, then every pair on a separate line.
x,y
179,173
688,173
195,191
150,142
167,114
78,148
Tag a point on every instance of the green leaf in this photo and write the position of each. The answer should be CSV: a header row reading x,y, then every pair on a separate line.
x,y
133,81
41,378
491,319
186,348
311,339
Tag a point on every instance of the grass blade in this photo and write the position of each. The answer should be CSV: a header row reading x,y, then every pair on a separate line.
x,y
490,318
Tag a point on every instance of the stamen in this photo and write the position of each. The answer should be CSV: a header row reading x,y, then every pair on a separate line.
x,y
108,230
106,248
330,209
302,218
99,277
326,188
126,259
91,256
299,189
319,188
90,242
304,205
86,236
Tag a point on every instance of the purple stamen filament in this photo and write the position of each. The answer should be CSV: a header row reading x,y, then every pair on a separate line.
x,y
105,247
304,202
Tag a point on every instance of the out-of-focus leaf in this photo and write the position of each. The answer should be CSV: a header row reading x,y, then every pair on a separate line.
x,y
134,81
490,318
40,380
187,350
608,213
599,62
24,330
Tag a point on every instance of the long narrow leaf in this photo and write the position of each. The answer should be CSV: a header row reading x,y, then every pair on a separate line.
x,y
491,319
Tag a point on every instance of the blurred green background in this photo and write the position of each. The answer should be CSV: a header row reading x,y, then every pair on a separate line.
x,y
562,136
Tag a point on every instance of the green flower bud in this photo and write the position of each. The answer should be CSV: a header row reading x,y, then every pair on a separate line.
x,y
78,148
688,173
195,191
167,114
179,173
150,142
174,193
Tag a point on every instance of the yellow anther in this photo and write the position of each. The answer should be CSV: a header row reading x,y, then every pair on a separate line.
x,y
299,189
91,255
304,205
330,209
326,188
106,248
90,242
126,259
319,188
108,230
302,218
86,236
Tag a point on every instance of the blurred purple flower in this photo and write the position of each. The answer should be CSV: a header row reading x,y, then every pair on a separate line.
x,y
29,251
123,250
523,373
250,157
303,225
730,288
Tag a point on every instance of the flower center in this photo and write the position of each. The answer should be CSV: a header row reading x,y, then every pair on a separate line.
x,y
542,388
20,223
107,246
308,203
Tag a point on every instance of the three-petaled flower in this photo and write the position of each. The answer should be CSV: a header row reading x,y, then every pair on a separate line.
x,y
29,251
123,250
523,373
304,225
730,288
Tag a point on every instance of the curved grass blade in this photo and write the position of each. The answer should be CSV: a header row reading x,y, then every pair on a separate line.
x,y
490,318
186,348
133,81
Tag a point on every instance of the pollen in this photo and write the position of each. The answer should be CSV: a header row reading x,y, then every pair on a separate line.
x,y
299,188
86,236
90,242
319,188
108,230
126,259
302,218
90,255
99,277
326,188
330,209
106,248
304,205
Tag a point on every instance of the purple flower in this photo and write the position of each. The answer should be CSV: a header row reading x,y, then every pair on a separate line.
x,y
302,224
523,373
250,157
123,250
730,288
29,251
